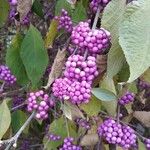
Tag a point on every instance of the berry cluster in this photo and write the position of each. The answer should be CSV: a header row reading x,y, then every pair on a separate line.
x,y
64,21
79,69
39,102
76,92
143,85
147,143
53,137
83,123
94,40
116,133
126,98
17,101
96,3
68,145
6,76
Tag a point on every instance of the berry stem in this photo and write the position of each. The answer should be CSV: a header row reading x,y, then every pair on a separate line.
x,y
2,87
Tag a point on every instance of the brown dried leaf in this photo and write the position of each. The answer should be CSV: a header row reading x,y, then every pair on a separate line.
x,y
23,7
89,139
143,116
57,67
72,111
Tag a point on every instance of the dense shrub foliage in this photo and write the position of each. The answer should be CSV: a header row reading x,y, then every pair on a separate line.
x,y
74,74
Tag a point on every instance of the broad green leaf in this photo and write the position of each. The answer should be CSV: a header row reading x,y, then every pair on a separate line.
x,y
93,107
51,34
37,8
80,13
18,119
58,127
13,60
5,118
111,106
103,94
110,21
4,10
134,38
62,4
85,3
132,87
34,55
141,145
146,76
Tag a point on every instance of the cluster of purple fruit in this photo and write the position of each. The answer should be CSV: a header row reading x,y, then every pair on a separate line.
x,y
79,69
143,85
53,137
147,143
6,75
94,40
116,133
76,92
94,4
39,102
83,123
68,145
126,98
64,21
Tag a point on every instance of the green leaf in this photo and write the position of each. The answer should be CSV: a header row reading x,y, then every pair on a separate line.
x,y
110,21
80,13
18,119
103,94
5,118
34,55
141,145
134,38
62,4
14,61
58,127
93,107
146,76
111,106
4,10
37,8
51,34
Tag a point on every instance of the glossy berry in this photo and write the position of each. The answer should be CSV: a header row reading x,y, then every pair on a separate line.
x,y
68,145
94,4
81,70
95,41
116,133
39,102
13,2
64,21
126,98
6,75
147,144
53,137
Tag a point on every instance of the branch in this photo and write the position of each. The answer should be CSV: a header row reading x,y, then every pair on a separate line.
x,y
14,139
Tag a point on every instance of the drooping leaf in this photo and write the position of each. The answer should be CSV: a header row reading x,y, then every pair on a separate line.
x,y
57,67
23,7
14,61
71,111
110,106
58,127
110,21
34,55
134,37
80,13
37,8
51,34
4,9
62,4
18,119
93,107
5,118
141,145
143,116
103,94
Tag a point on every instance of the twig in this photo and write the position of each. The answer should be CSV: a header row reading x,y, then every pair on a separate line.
x,y
14,139
18,106
2,87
